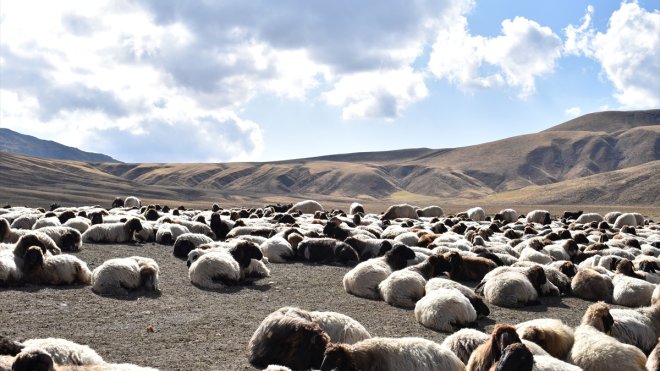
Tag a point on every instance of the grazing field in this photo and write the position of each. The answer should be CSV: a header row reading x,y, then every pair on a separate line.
x,y
195,329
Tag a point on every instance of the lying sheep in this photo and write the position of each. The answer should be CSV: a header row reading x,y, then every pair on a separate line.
x,y
391,354
591,285
445,310
120,276
79,223
464,341
628,219
404,287
326,250
167,233
628,290
217,267
11,265
488,353
551,334
507,216
512,288
187,242
639,327
469,268
430,212
477,303
132,202
306,207
49,269
594,350
477,214
277,249
339,327
368,248
113,232
539,216
52,221
363,280
61,351
589,218
66,238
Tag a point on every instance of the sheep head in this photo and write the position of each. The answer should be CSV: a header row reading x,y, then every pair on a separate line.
x,y
66,215
27,241
149,277
568,269
398,257
546,219
133,225
9,347
245,251
648,266
598,315
536,276
439,264
479,306
385,246
4,228
35,359
118,202
501,337
70,241
194,255
345,254
336,357
516,357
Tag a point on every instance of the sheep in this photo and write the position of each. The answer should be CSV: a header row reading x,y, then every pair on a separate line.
x,y
404,287
507,216
488,353
406,353
326,250
62,351
187,242
287,340
34,238
653,362
628,219
197,227
611,216
589,218
513,288
340,328
61,269
368,248
112,232
79,223
66,238
477,214
568,215
594,350
220,227
25,221
639,327
132,202
400,211
52,221
167,233
629,290
464,341
363,280
40,360
475,300
355,208
591,285
469,268
655,298
11,265
554,275
306,207
430,212
539,216
551,334
216,267
445,310
120,276
277,249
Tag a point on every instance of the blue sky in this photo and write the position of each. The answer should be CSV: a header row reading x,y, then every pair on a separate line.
x,y
172,81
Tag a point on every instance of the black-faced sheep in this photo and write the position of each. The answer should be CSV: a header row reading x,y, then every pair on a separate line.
x,y
430,212
49,269
594,350
290,341
445,310
277,249
507,216
363,280
120,276
188,242
112,232
469,268
220,227
629,289
591,285
216,267
339,327
400,211
35,239
355,208
306,207
326,250
551,334
66,238
390,354
132,202
478,304
61,351
568,215
369,248
404,287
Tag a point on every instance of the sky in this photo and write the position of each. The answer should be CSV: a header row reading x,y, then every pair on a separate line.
x,y
260,80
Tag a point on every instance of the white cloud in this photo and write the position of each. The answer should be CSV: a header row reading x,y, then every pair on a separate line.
x,y
573,111
629,52
524,52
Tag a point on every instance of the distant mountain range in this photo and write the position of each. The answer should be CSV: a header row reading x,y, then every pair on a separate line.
x,y
13,142
606,158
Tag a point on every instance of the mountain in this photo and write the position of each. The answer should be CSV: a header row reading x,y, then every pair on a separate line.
x,y
13,142
601,158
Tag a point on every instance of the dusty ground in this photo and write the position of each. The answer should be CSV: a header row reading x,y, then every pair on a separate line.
x,y
196,329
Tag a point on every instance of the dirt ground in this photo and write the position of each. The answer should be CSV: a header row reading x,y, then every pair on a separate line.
x,y
194,329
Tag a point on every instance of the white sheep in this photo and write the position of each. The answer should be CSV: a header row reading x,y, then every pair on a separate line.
x,y
215,267
363,280
404,287
589,284
513,288
538,216
306,207
119,276
507,215
79,223
431,212
132,202
628,219
167,233
464,341
112,232
355,208
594,350
66,238
406,353
445,310
477,214
63,269
589,217
400,211
631,291
25,221
639,327
52,221
62,351
339,327
441,282
277,250
10,268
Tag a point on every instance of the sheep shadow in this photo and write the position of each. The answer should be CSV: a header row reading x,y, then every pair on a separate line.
x,y
133,295
233,289
32,288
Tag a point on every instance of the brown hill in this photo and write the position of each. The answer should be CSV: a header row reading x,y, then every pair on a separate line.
x,y
570,163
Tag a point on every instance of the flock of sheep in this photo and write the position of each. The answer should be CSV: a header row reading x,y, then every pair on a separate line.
x,y
415,258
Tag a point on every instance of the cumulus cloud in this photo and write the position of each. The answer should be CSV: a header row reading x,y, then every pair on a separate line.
x,y
628,51
573,111
524,52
